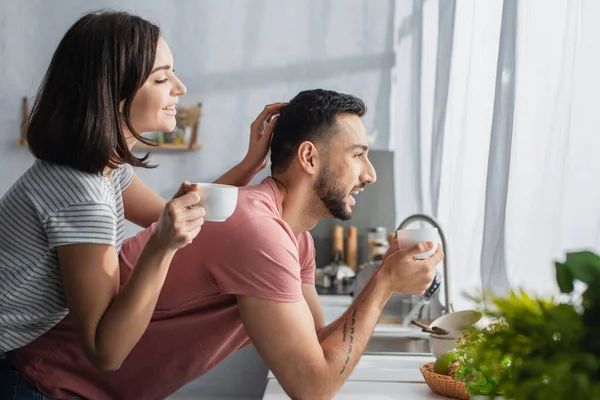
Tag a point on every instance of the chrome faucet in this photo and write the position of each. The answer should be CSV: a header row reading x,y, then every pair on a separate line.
x,y
433,289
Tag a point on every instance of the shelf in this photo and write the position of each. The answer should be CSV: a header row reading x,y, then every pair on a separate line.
x,y
143,147
193,112
168,147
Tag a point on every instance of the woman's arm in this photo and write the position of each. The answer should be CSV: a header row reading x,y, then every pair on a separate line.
x,y
257,157
110,321
143,206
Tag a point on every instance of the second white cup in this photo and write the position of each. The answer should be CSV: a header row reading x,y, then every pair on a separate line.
x,y
411,237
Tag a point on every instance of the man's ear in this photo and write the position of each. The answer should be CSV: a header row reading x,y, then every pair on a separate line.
x,y
308,156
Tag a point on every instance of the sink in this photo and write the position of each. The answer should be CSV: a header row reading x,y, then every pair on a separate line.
x,y
398,340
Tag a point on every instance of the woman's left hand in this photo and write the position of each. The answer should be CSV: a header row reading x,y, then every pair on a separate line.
x,y
261,131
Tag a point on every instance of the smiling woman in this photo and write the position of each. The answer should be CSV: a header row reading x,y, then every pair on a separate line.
x,y
109,79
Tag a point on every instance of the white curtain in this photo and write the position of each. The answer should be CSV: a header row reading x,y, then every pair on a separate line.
x,y
501,146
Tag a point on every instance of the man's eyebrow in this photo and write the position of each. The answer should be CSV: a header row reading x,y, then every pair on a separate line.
x,y
358,146
162,67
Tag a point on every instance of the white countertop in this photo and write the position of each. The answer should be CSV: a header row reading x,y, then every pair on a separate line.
x,y
376,377
387,368
358,390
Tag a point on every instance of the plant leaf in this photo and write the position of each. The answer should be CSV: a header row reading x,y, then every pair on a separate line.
x,y
564,278
584,266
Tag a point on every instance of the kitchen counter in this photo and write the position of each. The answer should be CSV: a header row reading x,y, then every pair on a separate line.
x,y
376,377
358,390
344,290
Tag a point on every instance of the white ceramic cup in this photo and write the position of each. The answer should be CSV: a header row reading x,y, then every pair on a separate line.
x,y
411,237
219,201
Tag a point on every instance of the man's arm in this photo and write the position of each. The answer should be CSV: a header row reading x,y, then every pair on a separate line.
x,y
308,368
312,361
309,292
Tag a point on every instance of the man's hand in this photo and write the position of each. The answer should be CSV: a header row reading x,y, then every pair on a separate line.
x,y
404,273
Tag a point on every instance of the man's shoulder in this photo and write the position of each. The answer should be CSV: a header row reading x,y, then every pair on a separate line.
x,y
257,202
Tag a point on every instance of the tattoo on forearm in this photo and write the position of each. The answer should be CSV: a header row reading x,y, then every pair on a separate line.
x,y
351,340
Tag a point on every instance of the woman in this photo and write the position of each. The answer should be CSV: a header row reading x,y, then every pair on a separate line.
x,y
110,78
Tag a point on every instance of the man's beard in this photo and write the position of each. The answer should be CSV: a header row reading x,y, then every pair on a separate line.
x,y
333,197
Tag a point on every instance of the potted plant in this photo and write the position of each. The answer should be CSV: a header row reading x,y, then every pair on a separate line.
x,y
540,348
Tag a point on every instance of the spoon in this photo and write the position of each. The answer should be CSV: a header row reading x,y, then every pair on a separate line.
x,y
436,330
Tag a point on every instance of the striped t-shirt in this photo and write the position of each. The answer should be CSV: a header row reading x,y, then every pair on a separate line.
x,y
48,206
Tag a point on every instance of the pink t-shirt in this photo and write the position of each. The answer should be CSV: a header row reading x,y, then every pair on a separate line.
x,y
196,324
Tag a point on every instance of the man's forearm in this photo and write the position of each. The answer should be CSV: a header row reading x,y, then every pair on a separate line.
x,y
344,340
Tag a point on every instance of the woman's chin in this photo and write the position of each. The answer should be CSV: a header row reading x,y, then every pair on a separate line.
x,y
169,128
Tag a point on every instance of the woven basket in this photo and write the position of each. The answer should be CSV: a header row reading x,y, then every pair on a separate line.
x,y
442,384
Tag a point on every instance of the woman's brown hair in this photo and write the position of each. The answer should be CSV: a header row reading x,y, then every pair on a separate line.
x,y
76,120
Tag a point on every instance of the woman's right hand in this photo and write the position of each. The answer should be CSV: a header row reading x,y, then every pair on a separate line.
x,y
181,219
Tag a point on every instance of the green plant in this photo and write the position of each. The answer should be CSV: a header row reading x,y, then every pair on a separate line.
x,y
546,349
480,378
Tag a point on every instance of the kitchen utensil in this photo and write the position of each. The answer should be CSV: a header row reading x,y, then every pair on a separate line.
x,y
433,329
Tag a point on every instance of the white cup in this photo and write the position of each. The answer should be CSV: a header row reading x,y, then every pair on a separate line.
x,y
411,237
219,201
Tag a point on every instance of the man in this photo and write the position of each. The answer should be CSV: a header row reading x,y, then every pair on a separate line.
x,y
251,279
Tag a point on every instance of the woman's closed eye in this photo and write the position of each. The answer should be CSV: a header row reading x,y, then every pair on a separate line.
x,y
159,81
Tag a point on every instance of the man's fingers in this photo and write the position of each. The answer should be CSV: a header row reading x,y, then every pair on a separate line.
x,y
438,256
418,248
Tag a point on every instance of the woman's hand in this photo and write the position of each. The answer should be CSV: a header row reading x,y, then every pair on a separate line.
x,y
181,219
261,131
257,157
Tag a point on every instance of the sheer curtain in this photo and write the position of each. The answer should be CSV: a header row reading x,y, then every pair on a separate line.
x,y
498,139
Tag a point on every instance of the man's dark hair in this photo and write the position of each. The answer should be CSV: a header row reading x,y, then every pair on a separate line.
x,y
103,59
310,116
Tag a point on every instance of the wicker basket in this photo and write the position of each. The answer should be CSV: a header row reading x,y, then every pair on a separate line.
x,y
442,384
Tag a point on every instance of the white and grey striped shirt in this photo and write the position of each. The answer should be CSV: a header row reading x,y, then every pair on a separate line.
x,y
49,206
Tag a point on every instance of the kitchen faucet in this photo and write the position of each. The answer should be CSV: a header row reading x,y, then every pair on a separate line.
x,y
433,289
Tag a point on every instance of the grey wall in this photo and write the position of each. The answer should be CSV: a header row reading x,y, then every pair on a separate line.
x,y
234,56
